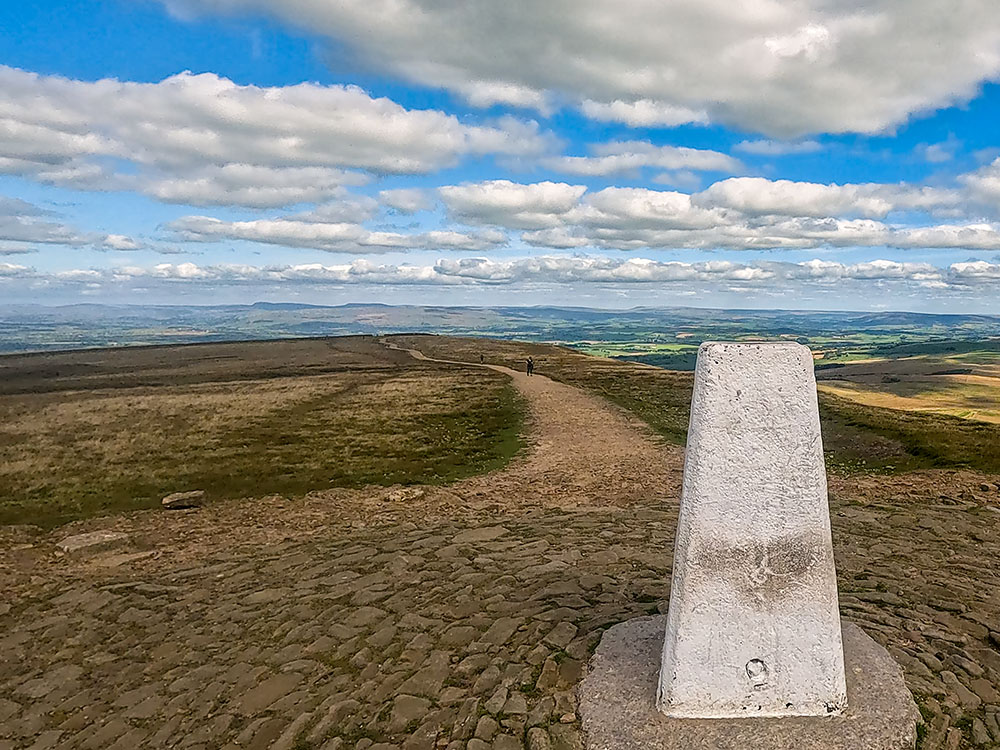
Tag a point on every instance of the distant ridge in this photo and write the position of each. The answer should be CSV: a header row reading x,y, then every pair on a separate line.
x,y
888,317
84,325
283,306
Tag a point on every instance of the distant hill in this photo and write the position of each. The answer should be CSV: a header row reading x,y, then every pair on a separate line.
x,y
36,327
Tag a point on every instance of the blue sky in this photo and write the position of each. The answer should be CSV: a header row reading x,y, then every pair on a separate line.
x,y
591,152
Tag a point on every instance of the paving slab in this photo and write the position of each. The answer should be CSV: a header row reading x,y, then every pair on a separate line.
x,y
92,542
618,711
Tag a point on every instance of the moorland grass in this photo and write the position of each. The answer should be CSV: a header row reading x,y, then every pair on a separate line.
x,y
71,454
102,432
929,440
857,438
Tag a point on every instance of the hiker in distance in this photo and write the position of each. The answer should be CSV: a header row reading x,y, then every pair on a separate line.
x,y
530,366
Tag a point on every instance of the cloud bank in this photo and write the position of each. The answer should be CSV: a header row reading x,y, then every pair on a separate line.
x,y
779,68
579,270
24,227
740,213
204,140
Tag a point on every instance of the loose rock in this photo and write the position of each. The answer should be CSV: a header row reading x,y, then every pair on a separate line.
x,y
404,495
180,500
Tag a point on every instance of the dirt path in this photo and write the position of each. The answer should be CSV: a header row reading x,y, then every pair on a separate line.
x,y
581,451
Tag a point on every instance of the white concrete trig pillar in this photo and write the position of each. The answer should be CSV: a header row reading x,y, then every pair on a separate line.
x,y
753,627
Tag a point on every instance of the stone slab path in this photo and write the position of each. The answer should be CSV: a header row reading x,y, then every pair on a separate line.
x,y
458,618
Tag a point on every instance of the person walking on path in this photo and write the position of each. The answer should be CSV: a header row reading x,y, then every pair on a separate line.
x,y
530,366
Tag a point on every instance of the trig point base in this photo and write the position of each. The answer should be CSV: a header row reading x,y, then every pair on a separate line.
x,y
755,654
618,703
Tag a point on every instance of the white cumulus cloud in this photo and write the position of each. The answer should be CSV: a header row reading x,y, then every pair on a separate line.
x,y
643,113
24,227
632,156
781,68
510,204
764,276
760,196
305,231
205,140
406,200
736,213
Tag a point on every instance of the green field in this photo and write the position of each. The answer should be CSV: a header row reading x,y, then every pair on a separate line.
x,y
670,356
641,332
829,351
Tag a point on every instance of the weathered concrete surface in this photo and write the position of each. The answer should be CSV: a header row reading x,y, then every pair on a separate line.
x,y
618,711
753,626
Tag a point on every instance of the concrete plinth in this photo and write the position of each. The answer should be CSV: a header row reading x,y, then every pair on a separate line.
x,y
618,703
753,627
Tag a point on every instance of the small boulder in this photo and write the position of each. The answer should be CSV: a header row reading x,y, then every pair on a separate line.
x,y
92,542
179,500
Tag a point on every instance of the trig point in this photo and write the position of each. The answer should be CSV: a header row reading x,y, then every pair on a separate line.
x,y
752,652
753,627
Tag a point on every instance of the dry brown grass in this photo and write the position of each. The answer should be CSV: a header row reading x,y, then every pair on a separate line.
x,y
958,396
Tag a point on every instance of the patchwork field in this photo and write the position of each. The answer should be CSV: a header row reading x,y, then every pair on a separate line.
x,y
965,384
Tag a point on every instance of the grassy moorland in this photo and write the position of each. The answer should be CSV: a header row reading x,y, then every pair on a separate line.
x,y
91,432
857,437
909,439
87,433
